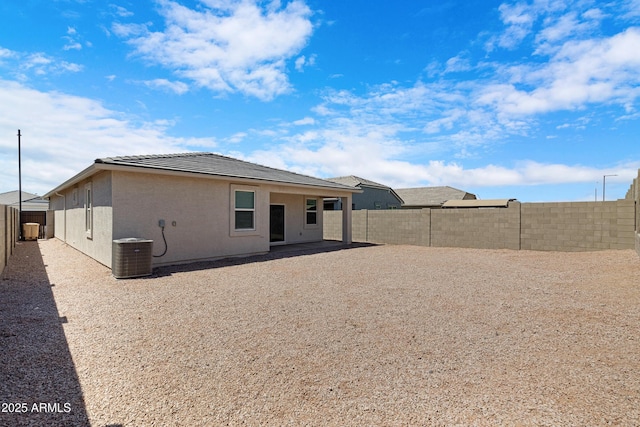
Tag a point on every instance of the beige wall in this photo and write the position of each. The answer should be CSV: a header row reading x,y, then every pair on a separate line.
x,y
295,229
4,240
69,217
484,228
51,224
634,195
576,226
399,226
197,212
332,225
8,234
198,215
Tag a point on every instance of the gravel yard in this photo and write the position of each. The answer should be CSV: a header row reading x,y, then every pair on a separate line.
x,y
370,335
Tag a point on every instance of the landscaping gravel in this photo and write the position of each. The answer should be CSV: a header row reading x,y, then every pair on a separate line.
x,y
368,335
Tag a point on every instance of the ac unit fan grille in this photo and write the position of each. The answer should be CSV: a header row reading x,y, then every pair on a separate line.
x,y
131,257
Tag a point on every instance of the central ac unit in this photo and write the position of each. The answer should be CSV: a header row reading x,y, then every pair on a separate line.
x,y
131,257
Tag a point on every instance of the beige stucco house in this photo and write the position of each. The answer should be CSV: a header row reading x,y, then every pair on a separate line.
x,y
208,206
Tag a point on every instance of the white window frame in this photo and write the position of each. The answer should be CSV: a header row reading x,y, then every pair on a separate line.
x,y
88,210
233,231
307,211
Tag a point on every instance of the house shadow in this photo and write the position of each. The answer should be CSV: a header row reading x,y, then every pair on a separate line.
x,y
39,385
276,252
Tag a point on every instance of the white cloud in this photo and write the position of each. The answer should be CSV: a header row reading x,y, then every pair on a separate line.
x,y
374,158
580,73
305,121
179,88
63,134
632,9
21,65
7,53
72,45
303,62
236,138
519,19
120,11
229,46
457,63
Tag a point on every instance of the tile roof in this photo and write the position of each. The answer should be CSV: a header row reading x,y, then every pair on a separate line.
x,y
432,196
11,197
356,181
218,165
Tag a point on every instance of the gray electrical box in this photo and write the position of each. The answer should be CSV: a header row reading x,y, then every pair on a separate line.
x,y
131,257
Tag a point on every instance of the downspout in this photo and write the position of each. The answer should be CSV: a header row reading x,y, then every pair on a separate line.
x,y
64,208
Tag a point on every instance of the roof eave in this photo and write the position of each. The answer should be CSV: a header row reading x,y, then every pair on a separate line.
x,y
86,173
100,165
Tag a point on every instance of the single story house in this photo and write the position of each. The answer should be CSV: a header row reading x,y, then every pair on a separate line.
x,y
205,206
373,196
30,202
431,197
34,208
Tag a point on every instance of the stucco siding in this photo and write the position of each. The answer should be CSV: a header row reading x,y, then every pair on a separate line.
x,y
295,229
196,212
69,217
375,198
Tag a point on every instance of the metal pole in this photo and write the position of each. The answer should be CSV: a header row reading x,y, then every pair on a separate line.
x,y
20,236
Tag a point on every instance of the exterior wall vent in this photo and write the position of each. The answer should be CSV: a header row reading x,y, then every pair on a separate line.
x,y
131,257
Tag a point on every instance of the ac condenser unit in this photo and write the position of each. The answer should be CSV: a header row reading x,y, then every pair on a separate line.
x,y
131,257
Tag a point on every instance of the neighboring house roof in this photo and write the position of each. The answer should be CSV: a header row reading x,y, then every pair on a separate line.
x,y
208,164
432,196
488,203
357,182
30,201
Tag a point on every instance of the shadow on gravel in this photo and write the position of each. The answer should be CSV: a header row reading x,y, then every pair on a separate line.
x,y
277,252
39,385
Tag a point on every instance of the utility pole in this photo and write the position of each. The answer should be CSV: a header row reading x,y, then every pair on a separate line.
x,y
604,180
20,236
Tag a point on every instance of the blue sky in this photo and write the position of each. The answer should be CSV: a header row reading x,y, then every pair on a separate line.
x,y
534,100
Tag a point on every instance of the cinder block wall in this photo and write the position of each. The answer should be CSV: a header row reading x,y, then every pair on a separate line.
x,y
634,195
488,228
359,225
332,226
402,227
8,234
578,226
3,237
571,226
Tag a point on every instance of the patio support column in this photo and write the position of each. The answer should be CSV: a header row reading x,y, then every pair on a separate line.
x,y
346,219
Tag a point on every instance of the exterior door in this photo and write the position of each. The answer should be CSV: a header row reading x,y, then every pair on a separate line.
x,y
276,221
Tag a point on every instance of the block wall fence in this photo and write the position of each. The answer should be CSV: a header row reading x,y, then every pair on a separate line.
x,y
9,224
634,194
567,226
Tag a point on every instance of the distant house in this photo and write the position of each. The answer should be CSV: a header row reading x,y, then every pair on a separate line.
x,y
204,205
431,197
34,208
30,202
373,195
